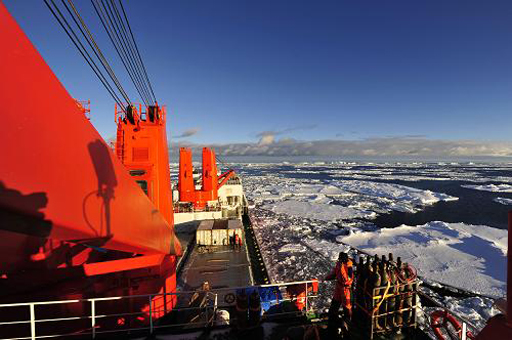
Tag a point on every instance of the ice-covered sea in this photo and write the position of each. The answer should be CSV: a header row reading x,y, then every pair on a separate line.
x,y
448,220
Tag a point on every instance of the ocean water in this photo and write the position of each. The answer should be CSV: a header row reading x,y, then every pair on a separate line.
x,y
472,207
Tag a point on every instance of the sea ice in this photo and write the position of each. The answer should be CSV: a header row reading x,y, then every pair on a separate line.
x,y
404,197
393,191
317,211
502,200
490,187
466,256
336,200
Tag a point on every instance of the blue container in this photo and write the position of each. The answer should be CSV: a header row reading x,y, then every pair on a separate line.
x,y
269,296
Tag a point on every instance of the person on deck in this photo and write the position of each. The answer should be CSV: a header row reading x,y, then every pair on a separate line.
x,y
344,275
238,242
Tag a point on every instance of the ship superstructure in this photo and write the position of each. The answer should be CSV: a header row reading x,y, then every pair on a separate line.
x,y
209,195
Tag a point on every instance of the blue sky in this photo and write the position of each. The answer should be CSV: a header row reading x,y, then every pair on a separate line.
x,y
343,70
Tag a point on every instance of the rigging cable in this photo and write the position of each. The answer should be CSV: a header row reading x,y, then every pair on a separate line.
x,y
113,35
118,33
83,51
92,43
138,52
131,49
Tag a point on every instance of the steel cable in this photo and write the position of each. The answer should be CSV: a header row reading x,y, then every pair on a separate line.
x,y
131,49
95,48
138,52
121,36
112,34
125,47
83,51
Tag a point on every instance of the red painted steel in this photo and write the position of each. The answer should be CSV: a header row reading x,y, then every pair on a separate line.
x,y
139,262
186,187
225,177
210,180
56,169
141,145
209,175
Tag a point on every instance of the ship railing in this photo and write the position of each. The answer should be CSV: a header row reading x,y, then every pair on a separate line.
x,y
468,327
301,293
189,209
92,322
91,317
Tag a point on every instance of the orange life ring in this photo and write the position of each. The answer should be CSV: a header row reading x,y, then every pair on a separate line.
x,y
440,318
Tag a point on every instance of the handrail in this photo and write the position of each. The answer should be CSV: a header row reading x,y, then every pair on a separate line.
x,y
94,315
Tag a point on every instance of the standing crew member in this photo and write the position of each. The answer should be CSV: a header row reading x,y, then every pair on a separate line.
x,y
238,242
344,275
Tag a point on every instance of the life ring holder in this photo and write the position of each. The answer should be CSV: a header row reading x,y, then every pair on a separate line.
x,y
440,319
229,298
411,271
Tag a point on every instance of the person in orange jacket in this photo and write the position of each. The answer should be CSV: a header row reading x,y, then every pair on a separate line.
x,y
343,273
238,242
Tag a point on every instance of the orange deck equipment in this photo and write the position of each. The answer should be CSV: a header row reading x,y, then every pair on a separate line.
x,y
209,189
210,179
141,145
186,187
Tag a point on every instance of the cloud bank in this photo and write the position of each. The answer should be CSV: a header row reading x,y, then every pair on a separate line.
x,y
406,146
269,137
188,133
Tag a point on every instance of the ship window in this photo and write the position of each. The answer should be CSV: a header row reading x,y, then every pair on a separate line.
x,y
143,185
137,172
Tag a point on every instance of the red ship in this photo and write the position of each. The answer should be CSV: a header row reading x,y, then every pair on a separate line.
x,y
87,237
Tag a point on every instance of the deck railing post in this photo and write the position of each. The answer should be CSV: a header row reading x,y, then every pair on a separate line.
x,y
93,319
306,297
150,316
32,322
215,309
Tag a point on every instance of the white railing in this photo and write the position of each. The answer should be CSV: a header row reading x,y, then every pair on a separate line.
x,y
90,320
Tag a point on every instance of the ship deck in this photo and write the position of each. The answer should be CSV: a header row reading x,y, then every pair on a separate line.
x,y
220,266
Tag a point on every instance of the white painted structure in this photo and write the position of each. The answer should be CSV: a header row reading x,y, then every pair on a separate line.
x,y
231,204
204,233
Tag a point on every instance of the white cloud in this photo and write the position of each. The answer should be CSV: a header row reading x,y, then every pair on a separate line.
x,y
408,146
188,133
268,137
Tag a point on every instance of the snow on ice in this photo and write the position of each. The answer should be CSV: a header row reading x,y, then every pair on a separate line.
x,y
317,211
467,256
403,198
502,200
351,198
490,187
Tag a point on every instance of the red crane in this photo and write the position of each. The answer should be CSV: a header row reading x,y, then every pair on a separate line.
x,y
74,221
211,181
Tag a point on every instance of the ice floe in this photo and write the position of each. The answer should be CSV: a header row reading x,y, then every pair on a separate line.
x,y
337,199
466,256
404,198
502,200
317,211
490,187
